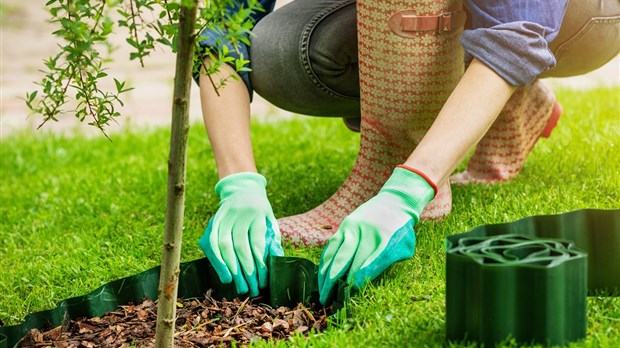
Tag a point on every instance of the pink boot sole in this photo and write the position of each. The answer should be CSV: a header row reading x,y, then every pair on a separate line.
x,y
553,120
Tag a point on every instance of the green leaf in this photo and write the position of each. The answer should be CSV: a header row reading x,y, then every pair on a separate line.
x,y
107,26
119,85
31,96
240,63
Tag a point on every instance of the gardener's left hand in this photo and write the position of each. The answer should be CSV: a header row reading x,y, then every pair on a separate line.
x,y
377,234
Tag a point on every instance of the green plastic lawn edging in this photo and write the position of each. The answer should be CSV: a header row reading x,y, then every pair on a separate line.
x,y
529,279
294,280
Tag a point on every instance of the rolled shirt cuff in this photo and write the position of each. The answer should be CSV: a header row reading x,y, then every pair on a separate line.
x,y
516,51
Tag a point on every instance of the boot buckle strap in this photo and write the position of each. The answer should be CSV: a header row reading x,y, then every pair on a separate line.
x,y
406,23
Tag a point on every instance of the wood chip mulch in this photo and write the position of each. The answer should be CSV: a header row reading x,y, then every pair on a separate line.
x,y
200,323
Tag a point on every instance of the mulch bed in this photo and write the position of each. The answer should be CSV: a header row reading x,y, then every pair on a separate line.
x,y
200,323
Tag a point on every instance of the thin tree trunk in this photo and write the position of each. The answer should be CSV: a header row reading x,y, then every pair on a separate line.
x,y
169,275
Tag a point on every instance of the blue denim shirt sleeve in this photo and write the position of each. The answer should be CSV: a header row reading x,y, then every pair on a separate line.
x,y
512,36
209,37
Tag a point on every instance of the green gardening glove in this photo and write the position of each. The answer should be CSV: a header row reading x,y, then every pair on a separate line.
x,y
242,233
377,234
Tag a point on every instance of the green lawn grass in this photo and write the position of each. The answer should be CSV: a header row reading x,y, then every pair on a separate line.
x,y
79,212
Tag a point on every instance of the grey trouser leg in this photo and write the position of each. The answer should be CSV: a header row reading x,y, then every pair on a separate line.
x,y
304,58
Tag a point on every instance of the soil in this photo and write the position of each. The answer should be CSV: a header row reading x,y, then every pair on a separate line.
x,y
200,323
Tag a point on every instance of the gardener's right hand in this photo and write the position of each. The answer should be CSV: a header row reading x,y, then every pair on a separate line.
x,y
242,233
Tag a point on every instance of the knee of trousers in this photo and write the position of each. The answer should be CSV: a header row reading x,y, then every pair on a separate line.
x,y
294,73
589,37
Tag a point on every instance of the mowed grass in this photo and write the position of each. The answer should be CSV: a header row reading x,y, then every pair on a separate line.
x,y
79,212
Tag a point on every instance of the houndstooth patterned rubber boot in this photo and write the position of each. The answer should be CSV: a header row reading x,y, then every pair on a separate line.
x,y
532,112
406,75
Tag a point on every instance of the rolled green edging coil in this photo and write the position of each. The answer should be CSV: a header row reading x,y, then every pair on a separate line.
x,y
294,280
510,285
513,280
